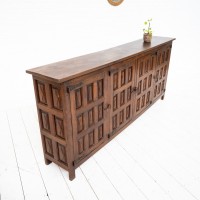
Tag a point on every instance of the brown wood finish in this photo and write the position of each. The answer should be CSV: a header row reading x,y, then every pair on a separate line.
x,y
84,102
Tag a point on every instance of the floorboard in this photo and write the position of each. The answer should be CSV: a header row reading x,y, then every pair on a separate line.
x,y
10,179
32,180
164,164
51,176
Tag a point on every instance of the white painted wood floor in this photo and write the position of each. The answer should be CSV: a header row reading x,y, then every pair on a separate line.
x,y
156,158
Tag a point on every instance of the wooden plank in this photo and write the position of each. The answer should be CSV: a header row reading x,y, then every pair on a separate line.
x,y
166,155
119,179
26,160
79,187
71,68
178,139
9,171
182,168
55,184
153,168
144,182
102,186
186,130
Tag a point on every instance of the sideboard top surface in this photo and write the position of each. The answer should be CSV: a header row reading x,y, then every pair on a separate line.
x,y
67,69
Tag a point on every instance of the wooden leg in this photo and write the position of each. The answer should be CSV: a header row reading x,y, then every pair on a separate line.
x,y
71,174
163,96
47,162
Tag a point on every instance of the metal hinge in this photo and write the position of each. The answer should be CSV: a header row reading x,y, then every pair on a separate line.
x,y
73,87
111,133
134,89
108,106
110,72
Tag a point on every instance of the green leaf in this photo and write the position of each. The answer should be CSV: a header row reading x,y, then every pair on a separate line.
x,y
145,23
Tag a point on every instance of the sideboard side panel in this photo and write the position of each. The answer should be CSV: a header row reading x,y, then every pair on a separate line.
x,y
49,100
122,79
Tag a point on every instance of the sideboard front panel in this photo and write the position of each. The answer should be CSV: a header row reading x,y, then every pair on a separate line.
x,y
161,70
89,106
144,81
122,78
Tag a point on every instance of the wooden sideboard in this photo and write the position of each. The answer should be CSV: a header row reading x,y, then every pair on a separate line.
x,y
84,102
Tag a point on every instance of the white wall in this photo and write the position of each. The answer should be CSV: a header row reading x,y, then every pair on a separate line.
x,y
37,32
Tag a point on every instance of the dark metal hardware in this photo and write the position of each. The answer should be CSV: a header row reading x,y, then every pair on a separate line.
x,y
110,72
108,106
73,87
134,89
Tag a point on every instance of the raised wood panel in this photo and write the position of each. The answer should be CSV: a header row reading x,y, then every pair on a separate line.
x,y
45,120
100,88
90,117
90,92
59,126
100,111
48,146
62,156
41,92
100,132
78,94
56,98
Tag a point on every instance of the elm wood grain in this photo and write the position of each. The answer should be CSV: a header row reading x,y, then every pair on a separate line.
x,y
71,68
79,116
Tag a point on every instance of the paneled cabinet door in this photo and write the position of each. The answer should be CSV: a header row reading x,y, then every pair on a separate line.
x,y
122,87
89,107
160,75
144,82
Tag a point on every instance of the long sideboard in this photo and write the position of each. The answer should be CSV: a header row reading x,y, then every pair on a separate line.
x,y
84,102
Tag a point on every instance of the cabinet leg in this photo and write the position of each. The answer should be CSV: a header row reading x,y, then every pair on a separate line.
x,y
47,162
72,174
163,96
